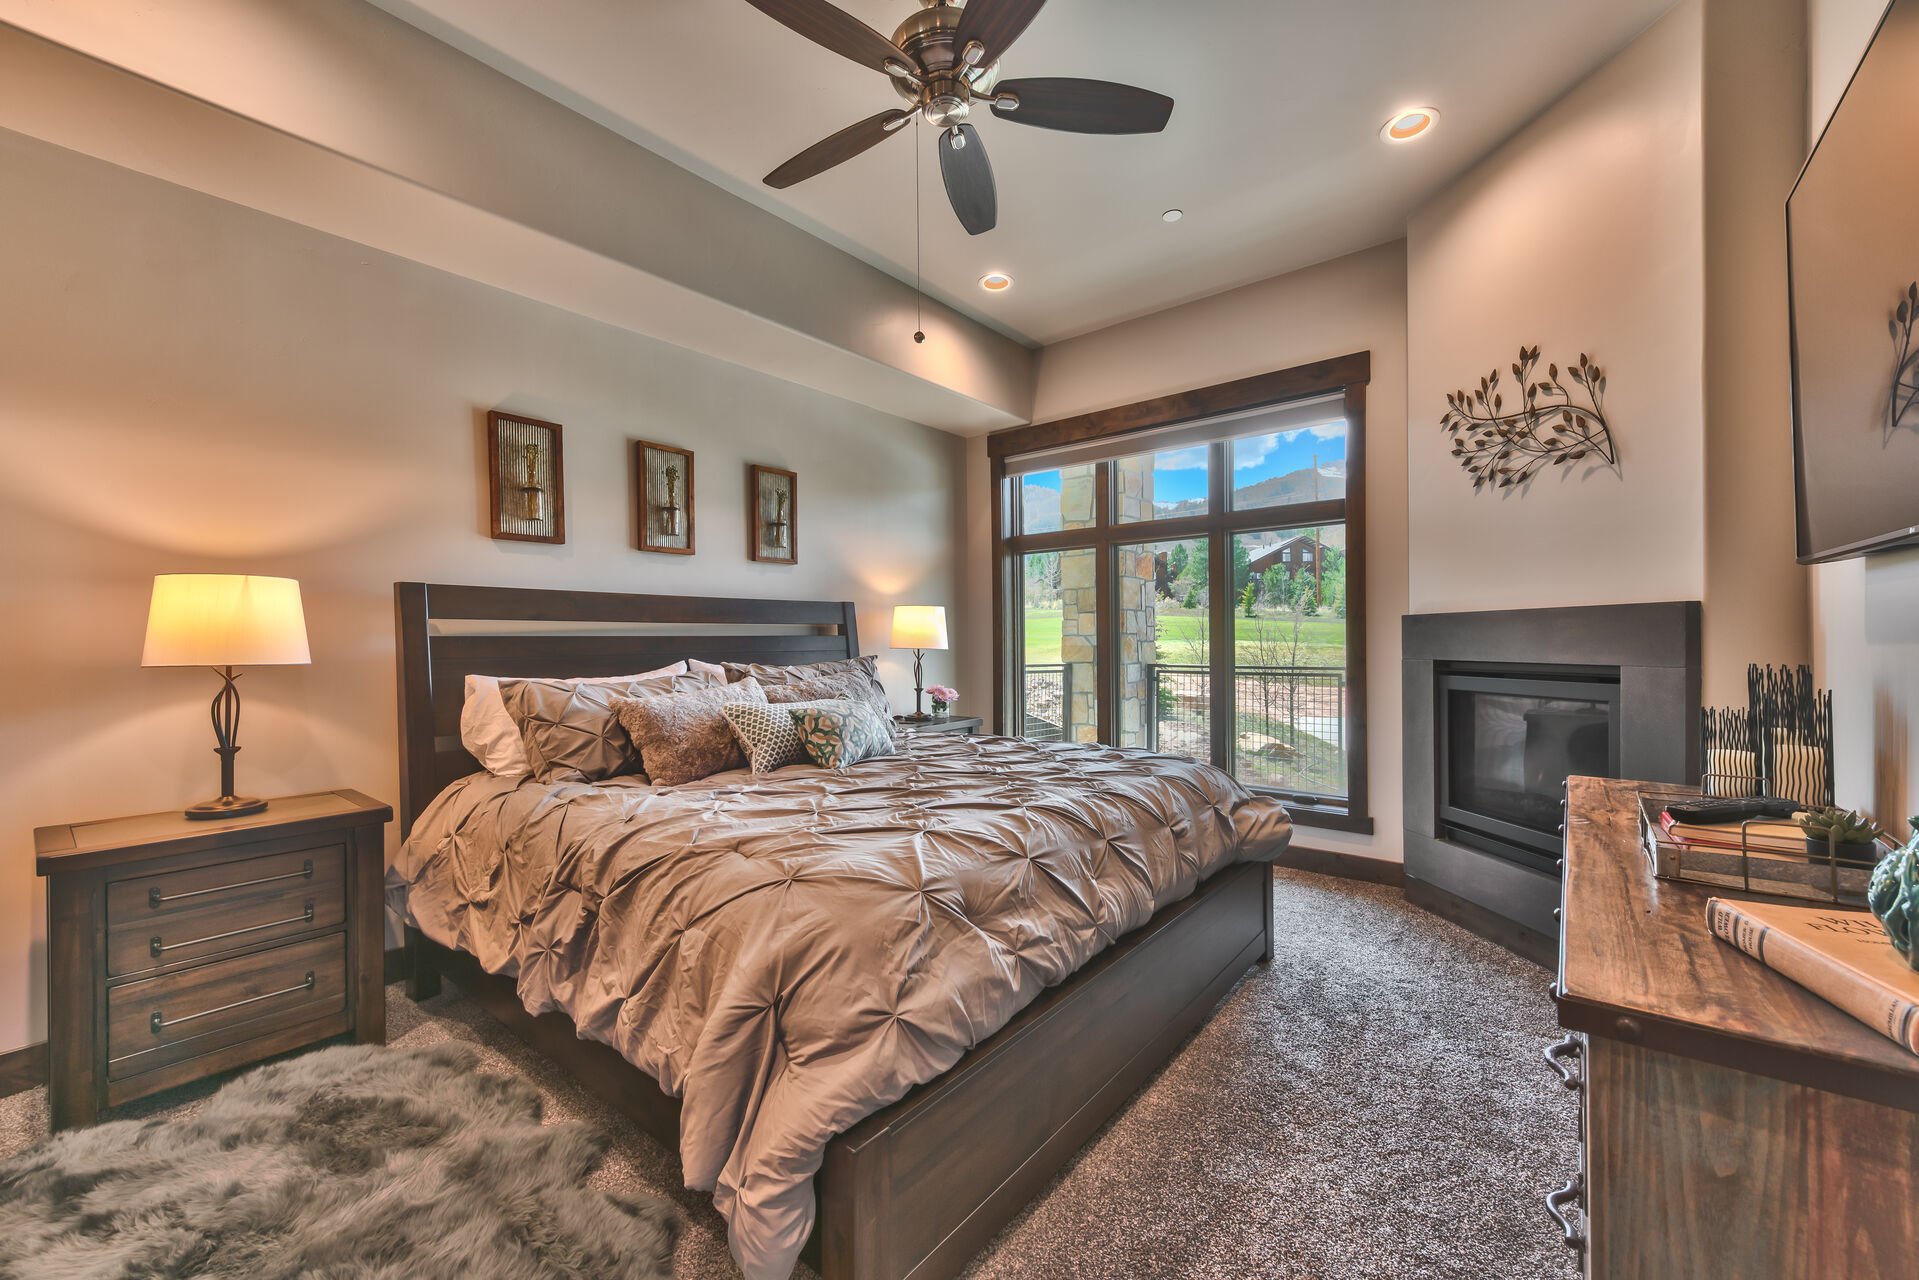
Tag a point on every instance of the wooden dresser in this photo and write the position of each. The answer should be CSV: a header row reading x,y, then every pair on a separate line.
x,y
177,949
1733,1125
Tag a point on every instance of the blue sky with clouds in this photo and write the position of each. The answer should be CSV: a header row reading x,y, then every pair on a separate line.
x,y
1180,474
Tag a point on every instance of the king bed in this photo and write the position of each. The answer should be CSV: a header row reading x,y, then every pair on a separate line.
x,y
905,992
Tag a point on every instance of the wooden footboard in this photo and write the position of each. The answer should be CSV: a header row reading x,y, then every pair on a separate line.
x,y
919,1188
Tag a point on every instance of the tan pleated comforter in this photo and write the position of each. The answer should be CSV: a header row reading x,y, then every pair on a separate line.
x,y
792,953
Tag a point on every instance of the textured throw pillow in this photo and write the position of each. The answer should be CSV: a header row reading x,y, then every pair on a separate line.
x,y
767,733
836,735
568,728
492,736
847,686
683,737
771,675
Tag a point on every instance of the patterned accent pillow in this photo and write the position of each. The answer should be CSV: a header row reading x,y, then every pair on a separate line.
x,y
492,737
683,737
837,735
568,728
767,732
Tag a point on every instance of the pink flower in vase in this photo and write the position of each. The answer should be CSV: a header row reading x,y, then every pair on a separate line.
x,y
943,696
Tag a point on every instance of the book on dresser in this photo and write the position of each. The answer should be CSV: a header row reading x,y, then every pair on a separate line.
x,y
1840,956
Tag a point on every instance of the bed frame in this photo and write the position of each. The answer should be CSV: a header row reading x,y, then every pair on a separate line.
x,y
917,1189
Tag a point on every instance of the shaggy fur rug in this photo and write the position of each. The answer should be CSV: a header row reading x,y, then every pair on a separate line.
x,y
361,1162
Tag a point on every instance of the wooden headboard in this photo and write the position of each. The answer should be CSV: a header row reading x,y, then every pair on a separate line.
x,y
447,633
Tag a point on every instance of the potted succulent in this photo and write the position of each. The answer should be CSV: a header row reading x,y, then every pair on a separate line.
x,y
942,696
1845,834
1893,895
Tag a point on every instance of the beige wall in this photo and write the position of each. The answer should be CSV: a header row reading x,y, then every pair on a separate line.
x,y
337,115
1356,303
197,386
1865,612
1757,596
1581,234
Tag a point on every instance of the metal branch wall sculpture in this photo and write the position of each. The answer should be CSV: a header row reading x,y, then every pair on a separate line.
x,y
1548,427
1905,369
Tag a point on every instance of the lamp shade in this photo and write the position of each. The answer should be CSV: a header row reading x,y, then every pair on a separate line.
x,y
919,626
225,620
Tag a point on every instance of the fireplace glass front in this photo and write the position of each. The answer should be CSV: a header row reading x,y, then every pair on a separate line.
x,y
1507,745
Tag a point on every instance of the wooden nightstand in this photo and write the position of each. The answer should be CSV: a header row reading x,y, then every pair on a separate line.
x,y
178,949
968,725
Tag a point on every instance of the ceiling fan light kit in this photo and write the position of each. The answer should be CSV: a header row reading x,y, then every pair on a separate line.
x,y
944,60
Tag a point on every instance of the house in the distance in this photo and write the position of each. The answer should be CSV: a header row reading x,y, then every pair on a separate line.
x,y
1297,554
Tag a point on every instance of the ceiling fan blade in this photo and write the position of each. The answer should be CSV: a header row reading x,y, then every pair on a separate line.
x,y
838,149
1083,106
969,179
994,24
837,30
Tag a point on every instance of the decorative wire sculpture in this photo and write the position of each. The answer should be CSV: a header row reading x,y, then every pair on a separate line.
x,y
1905,371
1793,723
1729,752
1779,744
1548,428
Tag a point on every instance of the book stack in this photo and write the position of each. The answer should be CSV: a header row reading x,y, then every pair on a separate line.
x,y
1843,957
1763,855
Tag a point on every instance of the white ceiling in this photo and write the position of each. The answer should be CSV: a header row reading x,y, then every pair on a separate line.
x,y
1273,150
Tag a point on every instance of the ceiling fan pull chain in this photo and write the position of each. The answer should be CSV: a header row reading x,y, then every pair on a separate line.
x,y
919,285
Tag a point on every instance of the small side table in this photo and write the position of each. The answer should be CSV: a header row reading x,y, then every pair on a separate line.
x,y
179,949
968,725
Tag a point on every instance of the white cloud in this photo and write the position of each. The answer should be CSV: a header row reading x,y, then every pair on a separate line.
x,y
1193,459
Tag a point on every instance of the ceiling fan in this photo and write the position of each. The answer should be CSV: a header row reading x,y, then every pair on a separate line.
x,y
943,60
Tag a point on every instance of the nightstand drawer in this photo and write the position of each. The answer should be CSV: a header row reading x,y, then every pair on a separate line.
x,y
203,911
162,1020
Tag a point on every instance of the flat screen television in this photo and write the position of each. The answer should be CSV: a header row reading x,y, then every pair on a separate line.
x,y
1853,227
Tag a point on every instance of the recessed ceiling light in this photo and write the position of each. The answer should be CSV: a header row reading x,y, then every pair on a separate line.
x,y
1172,215
1409,124
996,282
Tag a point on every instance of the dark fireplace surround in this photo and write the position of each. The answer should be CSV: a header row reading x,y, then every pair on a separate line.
x,y
1497,705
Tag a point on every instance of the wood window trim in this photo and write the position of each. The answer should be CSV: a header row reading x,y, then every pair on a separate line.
x,y
1347,376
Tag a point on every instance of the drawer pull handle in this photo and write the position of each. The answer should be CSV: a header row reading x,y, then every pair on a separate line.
x,y
155,897
160,948
1556,1203
160,1023
1557,1055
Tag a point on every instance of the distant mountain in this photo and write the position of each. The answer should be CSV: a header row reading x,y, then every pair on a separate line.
x,y
1276,491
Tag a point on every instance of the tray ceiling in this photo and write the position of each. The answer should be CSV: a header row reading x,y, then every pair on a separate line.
x,y
1273,151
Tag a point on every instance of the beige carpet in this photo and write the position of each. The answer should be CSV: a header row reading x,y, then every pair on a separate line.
x,y
1372,1104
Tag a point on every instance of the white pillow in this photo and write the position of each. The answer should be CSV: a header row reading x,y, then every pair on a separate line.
x,y
489,734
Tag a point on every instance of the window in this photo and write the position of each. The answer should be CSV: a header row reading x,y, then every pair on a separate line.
x,y
1194,586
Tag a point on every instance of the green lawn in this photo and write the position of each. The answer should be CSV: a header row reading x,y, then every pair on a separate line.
x,y
1322,640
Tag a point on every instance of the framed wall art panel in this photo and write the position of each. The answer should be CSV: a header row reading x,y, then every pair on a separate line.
x,y
526,481
772,515
663,474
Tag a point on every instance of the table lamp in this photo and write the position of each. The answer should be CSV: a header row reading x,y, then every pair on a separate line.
x,y
919,627
223,621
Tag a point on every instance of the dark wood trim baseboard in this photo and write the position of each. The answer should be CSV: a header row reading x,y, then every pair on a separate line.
x,y
23,1068
1515,937
1347,866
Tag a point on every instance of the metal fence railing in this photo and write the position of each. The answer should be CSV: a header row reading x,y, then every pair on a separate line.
x,y
1046,697
1290,723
